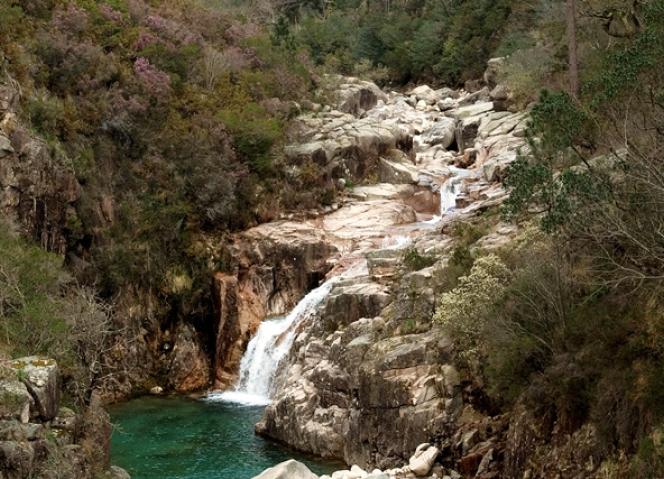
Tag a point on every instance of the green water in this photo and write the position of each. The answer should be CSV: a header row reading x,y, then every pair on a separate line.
x,y
180,438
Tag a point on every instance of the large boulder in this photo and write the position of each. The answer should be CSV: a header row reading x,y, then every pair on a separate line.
x,y
423,460
357,96
41,378
290,469
441,133
15,400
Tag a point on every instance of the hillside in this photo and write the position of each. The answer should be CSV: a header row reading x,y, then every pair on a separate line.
x,y
175,172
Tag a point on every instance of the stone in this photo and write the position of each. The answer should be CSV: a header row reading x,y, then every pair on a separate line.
x,y
116,472
156,390
426,94
290,469
42,380
15,400
355,96
16,459
470,110
441,133
423,460
190,368
492,71
6,148
397,173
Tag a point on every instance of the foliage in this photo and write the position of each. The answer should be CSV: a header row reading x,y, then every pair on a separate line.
x,y
43,312
413,260
163,109
465,310
441,41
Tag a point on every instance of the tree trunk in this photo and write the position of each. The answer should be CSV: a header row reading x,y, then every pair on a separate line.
x,y
572,47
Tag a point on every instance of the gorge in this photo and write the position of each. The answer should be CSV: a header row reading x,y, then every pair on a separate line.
x,y
331,239
328,391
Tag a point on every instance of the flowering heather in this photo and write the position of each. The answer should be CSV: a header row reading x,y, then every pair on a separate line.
x,y
73,20
172,29
157,82
110,14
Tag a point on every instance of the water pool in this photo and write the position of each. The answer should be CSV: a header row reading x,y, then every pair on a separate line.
x,y
182,438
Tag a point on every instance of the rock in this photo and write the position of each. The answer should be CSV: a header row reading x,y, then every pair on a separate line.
x,y
492,71
15,400
447,104
11,430
426,94
356,96
500,93
190,367
494,168
473,85
470,110
16,459
290,469
41,378
5,146
441,133
156,390
397,173
422,461
116,472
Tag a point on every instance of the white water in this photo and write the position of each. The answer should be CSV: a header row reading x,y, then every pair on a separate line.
x,y
450,191
267,348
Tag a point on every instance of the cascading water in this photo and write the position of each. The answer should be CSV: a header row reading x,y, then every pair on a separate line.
x,y
267,348
450,191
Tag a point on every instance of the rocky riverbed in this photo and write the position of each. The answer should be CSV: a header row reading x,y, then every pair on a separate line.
x,y
369,377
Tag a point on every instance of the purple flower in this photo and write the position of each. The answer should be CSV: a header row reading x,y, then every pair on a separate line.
x,y
157,82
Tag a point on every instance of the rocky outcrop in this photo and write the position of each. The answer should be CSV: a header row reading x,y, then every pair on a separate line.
x,y
41,439
369,377
190,365
275,265
37,189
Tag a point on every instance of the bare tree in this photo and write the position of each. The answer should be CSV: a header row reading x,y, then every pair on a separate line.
x,y
570,15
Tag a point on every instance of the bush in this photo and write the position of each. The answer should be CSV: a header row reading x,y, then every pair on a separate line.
x,y
413,260
464,311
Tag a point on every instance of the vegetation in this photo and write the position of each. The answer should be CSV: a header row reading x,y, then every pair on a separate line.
x,y
43,311
171,115
574,330
446,41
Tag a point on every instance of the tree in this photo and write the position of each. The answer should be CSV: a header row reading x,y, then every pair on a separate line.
x,y
570,14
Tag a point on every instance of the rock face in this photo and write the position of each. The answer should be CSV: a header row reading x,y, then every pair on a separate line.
x,y
38,437
37,190
190,366
369,377
276,264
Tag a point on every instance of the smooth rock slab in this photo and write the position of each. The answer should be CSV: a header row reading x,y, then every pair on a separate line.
x,y
291,469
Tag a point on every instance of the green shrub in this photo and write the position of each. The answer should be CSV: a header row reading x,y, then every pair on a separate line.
x,y
413,260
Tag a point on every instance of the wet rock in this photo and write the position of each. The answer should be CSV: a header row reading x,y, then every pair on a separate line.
x,y
397,173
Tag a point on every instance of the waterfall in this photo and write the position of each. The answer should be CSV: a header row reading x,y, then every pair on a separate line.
x,y
267,348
